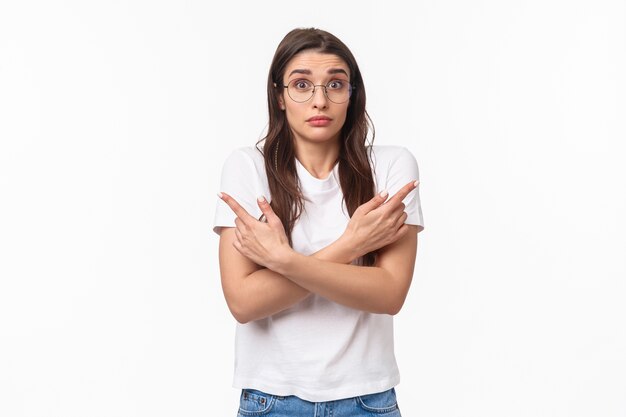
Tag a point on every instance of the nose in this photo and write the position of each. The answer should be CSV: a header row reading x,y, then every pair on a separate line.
x,y
320,100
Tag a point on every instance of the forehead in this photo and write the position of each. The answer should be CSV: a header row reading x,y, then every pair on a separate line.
x,y
316,62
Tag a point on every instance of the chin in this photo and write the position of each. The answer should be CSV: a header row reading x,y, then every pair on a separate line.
x,y
323,135
321,139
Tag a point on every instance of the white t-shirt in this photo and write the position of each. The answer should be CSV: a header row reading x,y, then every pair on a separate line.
x,y
317,349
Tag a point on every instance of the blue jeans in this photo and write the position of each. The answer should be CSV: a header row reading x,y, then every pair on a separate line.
x,y
257,403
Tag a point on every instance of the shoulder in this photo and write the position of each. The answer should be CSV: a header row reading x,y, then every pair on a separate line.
x,y
243,174
385,155
247,158
245,154
244,167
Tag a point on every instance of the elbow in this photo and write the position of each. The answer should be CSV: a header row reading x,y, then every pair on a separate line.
x,y
240,314
390,307
394,308
240,317
238,306
394,305
241,320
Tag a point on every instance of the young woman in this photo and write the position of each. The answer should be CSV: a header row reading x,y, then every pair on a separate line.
x,y
315,257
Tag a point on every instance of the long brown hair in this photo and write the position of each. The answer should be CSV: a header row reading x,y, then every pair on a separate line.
x,y
355,172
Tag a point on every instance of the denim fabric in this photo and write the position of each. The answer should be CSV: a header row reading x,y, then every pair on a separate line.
x,y
257,403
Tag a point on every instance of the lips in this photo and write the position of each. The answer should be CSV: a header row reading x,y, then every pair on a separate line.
x,y
319,121
318,118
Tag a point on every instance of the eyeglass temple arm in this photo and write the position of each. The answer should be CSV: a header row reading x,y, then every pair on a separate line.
x,y
286,86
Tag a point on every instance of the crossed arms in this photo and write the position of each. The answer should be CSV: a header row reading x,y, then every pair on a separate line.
x,y
262,275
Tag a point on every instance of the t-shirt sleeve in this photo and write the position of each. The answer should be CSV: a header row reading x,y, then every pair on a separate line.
x,y
241,180
403,169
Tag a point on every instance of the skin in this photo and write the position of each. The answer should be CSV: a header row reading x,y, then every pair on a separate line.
x,y
262,275
317,148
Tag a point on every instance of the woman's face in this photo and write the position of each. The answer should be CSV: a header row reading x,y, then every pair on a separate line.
x,y
317,119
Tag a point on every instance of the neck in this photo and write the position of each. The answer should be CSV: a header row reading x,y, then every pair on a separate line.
x,y
318,158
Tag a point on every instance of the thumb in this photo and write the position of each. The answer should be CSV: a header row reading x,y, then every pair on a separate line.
x,y
376,201
265,207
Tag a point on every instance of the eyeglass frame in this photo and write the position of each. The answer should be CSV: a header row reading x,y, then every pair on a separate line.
x,y
352,88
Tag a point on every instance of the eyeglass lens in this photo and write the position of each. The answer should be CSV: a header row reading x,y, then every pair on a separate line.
x,y
337,91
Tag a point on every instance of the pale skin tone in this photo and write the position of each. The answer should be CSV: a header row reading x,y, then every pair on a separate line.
x,y
262,275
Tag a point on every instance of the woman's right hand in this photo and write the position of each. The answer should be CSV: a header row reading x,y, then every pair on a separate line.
x,y
377,223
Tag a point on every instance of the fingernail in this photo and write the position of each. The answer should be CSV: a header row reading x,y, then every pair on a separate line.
x,y
260,199
220,195
384,193
416,183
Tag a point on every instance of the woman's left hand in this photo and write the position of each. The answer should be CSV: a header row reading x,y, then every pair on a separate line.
x,y
265,244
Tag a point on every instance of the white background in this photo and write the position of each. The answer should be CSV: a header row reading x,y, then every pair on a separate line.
x,y
115,118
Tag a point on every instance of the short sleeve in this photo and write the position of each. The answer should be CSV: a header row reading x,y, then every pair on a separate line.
x,y
401,170
241,179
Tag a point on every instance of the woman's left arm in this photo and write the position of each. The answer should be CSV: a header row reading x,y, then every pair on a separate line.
x,y
381,288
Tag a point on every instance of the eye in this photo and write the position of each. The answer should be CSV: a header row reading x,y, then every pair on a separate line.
x,y
336,84
302,84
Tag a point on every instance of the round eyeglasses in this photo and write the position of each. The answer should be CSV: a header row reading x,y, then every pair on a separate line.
x,y
301,90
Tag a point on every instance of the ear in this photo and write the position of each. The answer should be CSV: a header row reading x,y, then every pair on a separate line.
x,y
281,103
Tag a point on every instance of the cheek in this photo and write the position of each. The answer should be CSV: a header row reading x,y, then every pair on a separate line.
x,y
344,114
293,112
291,116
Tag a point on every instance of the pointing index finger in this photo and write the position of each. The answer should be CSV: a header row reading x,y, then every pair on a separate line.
x,y
235,207
402,193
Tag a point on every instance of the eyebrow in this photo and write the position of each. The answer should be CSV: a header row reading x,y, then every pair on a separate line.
x,y
308,72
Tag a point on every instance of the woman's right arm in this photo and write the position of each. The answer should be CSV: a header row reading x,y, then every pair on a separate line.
x,y
253,292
